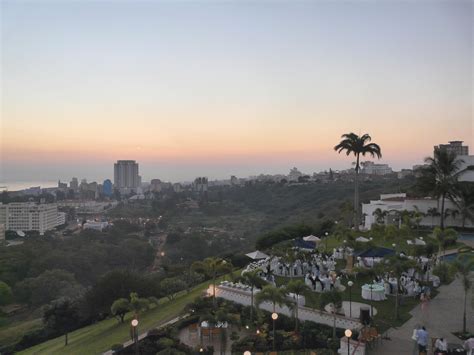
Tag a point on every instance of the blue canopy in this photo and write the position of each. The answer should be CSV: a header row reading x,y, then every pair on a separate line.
x,y
303,244
376,252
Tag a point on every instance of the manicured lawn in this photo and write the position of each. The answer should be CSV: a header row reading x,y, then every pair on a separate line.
x,y
99,337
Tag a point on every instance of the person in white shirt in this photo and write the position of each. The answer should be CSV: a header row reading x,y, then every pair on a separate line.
x,y
441,346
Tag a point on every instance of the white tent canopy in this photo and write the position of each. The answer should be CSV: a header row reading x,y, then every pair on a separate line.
x,y
362,239
419,242
256,255
311,238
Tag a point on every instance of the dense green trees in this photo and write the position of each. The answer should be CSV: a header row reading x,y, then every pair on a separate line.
x,y
5,293
62,316
172,286
351,143
48,286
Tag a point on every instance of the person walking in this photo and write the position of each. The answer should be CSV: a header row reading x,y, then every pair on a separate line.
x,y
414,337
422,341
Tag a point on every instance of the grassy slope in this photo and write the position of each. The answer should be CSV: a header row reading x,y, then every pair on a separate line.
x,y
12,334
99,337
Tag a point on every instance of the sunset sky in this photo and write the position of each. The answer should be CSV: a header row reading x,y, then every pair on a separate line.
x,y
228,88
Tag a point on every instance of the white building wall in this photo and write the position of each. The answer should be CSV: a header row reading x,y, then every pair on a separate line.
x,y
422,205
29,216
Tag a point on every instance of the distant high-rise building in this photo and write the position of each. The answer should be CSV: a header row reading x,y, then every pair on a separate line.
x,y
74,184
455,147
107,188
62,185
126,176
200,185
155,185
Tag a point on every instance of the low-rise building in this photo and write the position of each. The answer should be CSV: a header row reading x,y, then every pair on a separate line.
x,y
390,206
61,218
29,216
99,226
371,168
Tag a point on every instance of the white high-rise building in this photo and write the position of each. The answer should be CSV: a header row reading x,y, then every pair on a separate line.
x,y
126,176
29,216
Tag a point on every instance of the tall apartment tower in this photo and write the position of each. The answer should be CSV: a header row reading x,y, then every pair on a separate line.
x,y
455,147
126,175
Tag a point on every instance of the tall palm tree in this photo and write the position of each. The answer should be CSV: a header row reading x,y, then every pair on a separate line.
x,y
440,177
433,212
275,296
297,287
331,297
463,271
212,267
272,294
351,143
397,265
380,216
465,201
252,279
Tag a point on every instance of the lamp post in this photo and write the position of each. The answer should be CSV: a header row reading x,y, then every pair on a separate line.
x,y
348,334
274,318
135,334
350,284
326,234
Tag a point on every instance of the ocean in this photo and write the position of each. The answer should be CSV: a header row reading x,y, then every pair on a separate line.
x,y
21,185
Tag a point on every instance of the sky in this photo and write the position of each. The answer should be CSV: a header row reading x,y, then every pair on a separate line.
x,y
220,88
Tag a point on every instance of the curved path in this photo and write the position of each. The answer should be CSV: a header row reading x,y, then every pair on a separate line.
x,y
441,316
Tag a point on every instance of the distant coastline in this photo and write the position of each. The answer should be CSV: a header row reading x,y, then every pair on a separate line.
x,y
22,185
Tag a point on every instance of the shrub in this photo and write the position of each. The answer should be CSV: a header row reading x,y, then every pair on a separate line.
x,y
444,272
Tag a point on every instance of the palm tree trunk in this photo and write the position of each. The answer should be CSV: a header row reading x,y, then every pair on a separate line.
x,y
356,195
396,298
214,289
464,313
442,211
66,340
251,305
296,315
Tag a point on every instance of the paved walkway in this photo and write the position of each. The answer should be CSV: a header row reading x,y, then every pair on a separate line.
x,y
441,316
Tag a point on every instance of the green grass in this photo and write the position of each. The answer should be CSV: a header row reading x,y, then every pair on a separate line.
x,y
99,337
12,334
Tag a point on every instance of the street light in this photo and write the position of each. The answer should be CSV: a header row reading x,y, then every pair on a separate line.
x,y
274,318
348,334
135,334
350,284
326,234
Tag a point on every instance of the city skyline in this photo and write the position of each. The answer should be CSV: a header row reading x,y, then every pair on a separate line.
x,y
262,87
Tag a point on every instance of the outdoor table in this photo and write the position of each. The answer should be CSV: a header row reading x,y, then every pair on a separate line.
x,y
374,292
